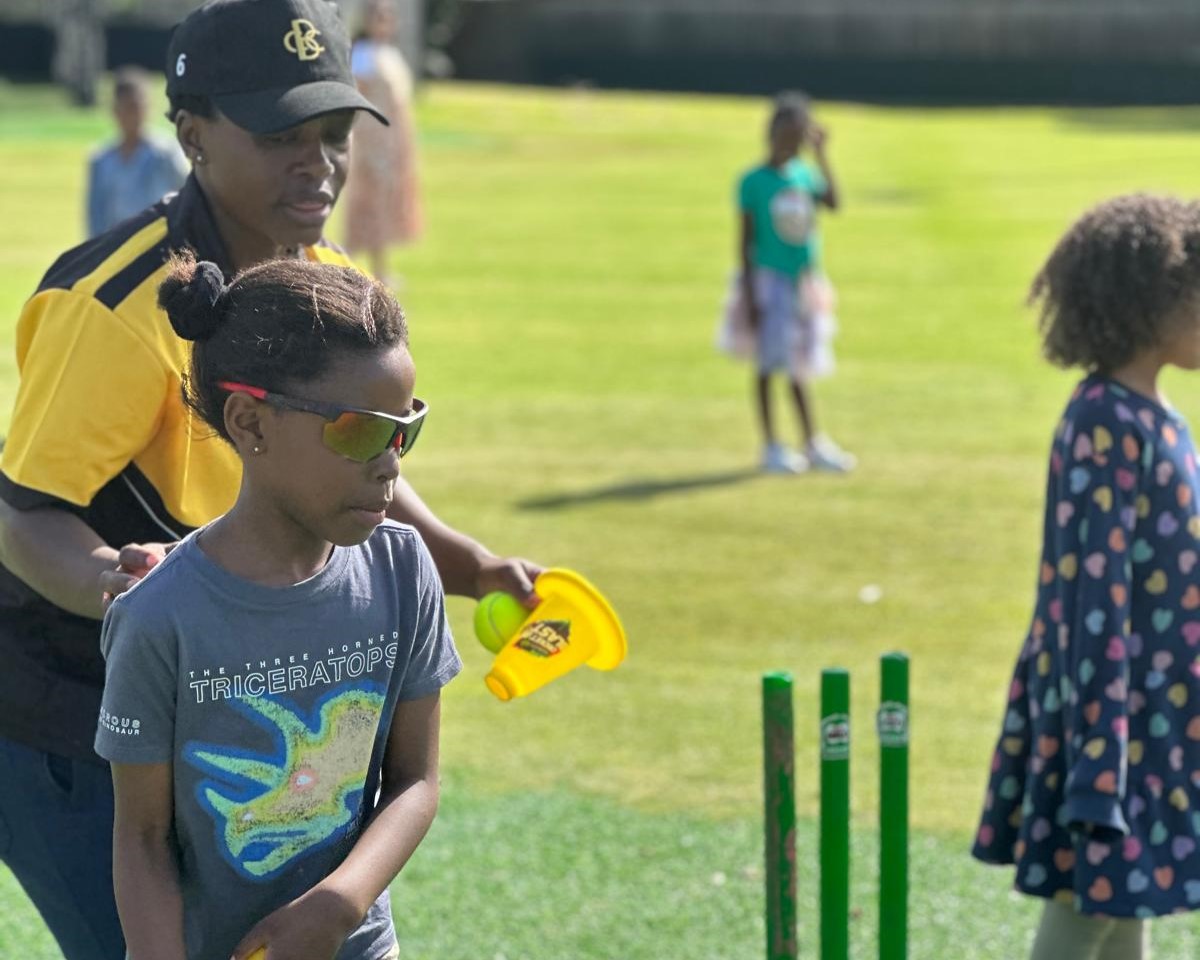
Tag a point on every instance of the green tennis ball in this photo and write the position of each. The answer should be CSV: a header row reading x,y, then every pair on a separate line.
x,y
498,617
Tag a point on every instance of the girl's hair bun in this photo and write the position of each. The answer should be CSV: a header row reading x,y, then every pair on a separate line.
x,y
195,296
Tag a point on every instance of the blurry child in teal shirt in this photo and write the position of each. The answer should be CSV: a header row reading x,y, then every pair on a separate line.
x,y
781,301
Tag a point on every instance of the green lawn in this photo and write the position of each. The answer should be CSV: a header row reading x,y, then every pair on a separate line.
x,y
562,310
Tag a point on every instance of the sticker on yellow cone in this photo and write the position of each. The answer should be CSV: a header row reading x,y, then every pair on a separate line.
x,y
545,638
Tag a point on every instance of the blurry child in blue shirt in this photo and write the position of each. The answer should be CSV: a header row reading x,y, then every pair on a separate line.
x,y
129,175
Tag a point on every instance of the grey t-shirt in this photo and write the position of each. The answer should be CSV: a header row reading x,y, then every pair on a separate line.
x,y
273,705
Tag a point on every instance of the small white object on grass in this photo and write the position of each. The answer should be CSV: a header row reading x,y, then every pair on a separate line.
x,y
871,593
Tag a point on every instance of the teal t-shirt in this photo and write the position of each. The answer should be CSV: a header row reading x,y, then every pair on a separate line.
x,y
783,206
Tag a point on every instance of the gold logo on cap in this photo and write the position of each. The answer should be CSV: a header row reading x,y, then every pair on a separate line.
x,y
302,40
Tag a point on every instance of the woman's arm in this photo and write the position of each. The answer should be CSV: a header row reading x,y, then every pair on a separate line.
x,y
318,922
466,567
145,875
64,560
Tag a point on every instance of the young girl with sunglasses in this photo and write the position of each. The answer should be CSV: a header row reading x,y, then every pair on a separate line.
x,y
271,707
1094,792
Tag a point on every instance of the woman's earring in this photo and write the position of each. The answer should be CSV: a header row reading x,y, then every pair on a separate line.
x,y
257,449
199,158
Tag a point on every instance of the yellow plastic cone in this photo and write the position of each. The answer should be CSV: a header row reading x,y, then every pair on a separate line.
x,y
573,624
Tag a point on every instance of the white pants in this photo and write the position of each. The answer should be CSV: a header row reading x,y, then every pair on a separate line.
x,y
1065,934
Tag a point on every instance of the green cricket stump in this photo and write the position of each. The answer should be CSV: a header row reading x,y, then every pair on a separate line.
x,y
779,798
835,814
892,726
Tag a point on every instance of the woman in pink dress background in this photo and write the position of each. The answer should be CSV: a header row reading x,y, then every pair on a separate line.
x,y
383,205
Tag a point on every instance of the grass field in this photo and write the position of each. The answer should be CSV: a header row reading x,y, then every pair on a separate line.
x,y
562,310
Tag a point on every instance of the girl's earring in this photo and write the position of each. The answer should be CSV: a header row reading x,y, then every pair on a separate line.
x,y
199,158
257,449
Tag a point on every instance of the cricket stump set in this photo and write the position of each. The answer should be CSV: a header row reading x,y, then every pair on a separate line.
x,y
780,822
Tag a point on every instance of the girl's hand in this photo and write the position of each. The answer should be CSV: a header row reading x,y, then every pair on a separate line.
x,y
746,303
818,136
311,927
753,315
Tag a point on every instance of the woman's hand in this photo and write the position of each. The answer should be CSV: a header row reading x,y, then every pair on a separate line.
x,y
134,561
512,575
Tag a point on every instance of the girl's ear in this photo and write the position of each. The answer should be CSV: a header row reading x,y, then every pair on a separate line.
x,y
245,423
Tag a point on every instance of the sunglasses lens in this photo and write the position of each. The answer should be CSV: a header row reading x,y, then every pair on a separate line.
x,y
359,436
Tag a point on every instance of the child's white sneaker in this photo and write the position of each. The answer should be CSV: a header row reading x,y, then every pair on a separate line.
x,y
824,454
779,459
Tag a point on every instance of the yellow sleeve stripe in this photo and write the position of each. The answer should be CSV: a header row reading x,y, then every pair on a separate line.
x,y
122,257
73,427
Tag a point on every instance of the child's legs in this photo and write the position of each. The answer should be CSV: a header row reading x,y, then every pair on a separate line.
x,y
765,417
776,306
1066,934
803,409
1129,940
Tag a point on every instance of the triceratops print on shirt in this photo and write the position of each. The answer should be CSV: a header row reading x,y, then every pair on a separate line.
x,y
269,810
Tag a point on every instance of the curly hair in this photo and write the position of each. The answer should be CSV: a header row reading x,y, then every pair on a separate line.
x,y
1114,284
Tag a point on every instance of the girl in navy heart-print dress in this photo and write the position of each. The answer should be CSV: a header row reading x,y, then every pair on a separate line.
x,y
1094,791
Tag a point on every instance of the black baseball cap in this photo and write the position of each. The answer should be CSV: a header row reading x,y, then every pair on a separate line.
x,y
266,64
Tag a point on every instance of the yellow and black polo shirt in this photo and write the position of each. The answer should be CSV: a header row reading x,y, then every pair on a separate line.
x,y
100,429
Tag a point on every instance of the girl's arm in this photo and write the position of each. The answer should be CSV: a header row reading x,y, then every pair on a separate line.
x,y
745,252
819,137
406,808
1102,476
316,924
145,876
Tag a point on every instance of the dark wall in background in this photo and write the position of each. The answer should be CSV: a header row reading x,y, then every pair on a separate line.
x,y
136,45
1011,51
1015,51
26,50
867,80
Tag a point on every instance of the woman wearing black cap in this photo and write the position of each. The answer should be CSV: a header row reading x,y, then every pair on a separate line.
x,y
103,466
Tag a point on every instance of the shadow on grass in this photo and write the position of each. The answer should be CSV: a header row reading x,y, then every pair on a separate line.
x,y
638,489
